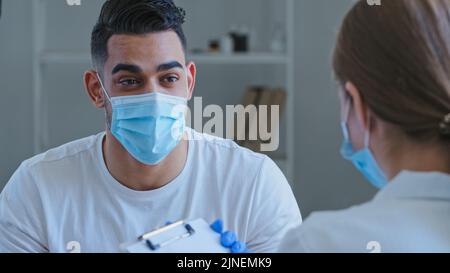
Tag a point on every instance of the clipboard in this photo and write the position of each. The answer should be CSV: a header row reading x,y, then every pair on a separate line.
x,y
180,237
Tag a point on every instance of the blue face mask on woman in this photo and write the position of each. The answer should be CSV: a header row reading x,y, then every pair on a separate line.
x,y
363,160
148,126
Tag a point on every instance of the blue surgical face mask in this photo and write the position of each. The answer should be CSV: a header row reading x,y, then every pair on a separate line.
x,y
148,126
363,160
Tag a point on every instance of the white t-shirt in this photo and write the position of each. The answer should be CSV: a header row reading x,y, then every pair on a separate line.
x,y
66,199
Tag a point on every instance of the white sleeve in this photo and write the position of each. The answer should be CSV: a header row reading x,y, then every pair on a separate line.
x,y
294,242
21,215
274,210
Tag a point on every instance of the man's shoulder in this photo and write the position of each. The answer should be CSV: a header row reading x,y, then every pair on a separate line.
x,y
225,158
50,171
67,152
225,147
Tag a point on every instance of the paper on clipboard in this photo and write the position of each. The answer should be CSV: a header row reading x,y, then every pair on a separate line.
x,y
193,237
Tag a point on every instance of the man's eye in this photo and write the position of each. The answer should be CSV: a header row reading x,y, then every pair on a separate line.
x,y
170,79
128,82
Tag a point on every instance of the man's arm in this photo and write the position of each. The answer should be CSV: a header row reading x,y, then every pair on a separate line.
x,y
294,242
274,210
21,215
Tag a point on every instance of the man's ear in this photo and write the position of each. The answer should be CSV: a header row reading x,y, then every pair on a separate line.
x,y
191,74
360,107
93,89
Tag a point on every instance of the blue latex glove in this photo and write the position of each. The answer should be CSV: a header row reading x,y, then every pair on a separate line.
x,y
228,239
239,247
217,226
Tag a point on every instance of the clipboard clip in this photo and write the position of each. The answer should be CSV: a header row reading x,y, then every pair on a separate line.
x,y
155,246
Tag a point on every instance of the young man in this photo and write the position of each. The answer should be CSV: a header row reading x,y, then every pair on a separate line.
x,y
96,193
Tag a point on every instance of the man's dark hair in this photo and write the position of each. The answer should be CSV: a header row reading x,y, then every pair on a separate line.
x,y
134,17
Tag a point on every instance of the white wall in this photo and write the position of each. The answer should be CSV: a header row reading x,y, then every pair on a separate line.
x,y
322,180
16,113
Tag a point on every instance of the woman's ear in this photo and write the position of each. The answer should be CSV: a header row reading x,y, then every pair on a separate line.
x,y
93,89
359,106
191,75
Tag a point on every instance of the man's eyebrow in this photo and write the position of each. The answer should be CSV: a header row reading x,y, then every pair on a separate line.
x,y
168,66
126,67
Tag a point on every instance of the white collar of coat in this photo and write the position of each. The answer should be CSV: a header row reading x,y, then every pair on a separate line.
x,y
417,185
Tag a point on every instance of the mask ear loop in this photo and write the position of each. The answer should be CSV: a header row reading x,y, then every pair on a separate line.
x,y
345,122
367,134
109,99
187,85
103,88
345,127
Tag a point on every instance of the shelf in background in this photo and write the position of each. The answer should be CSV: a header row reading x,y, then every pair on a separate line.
x,y
54,57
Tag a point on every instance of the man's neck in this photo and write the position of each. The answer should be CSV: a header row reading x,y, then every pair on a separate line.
x,y
137,176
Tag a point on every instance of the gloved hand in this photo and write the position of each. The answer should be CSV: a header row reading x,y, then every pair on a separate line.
x,y
228,239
